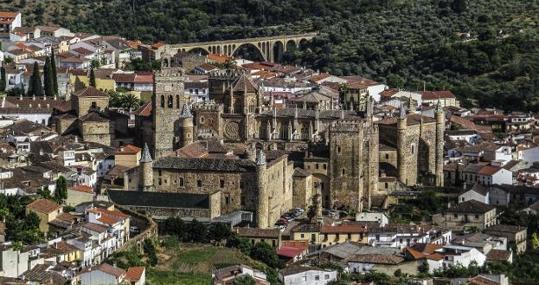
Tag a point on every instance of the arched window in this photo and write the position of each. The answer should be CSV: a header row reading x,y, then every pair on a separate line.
x,y
170,101
178,101
162,101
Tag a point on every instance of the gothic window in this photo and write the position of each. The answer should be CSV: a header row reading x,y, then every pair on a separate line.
x,y
170,101
162,101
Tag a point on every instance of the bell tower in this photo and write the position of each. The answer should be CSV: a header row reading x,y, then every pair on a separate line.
x,y
167,102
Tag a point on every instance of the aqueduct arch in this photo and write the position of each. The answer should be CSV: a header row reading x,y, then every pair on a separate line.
x,y
269,47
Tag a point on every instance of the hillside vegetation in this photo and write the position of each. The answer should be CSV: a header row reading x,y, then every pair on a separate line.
x,y
406,43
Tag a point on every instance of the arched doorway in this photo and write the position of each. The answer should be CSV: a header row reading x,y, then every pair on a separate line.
x,y
250,52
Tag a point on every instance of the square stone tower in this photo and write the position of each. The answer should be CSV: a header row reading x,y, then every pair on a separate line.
x,y
167,102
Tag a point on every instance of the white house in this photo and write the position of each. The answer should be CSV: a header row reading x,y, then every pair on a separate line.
x,y
453,255
299,275
103,274
530,154
379,218
478,192
469,136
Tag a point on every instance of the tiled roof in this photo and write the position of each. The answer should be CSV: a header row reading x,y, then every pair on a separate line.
x,y
256,232
498,255
128,149
505,229
95,227
90,91
434,95
107,268
471,206
159,199
82,188
144,110
344,228
205,164
45,206
135,273
289,251
377,259
489,170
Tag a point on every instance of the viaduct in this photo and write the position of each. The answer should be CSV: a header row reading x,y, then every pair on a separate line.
x,y
270,48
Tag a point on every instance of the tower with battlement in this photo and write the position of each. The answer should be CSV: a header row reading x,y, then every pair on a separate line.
x,y
167,102
346,163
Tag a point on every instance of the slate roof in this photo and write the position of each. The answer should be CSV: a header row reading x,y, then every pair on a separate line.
x,y
206,164
471,206
159,199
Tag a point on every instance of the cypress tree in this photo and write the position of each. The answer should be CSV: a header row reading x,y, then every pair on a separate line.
x,y
35,87
47,78
54,74
2,79
92,77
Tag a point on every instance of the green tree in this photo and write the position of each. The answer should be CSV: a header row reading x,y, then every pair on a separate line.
x,y
313,209
2,79
92,77
244,280
35,88
265,253
149,249
48,78
219,232
60,193
459,6
78,85
197,232
54,72
534,241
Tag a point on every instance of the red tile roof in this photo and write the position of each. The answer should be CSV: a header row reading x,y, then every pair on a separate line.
x,y
128,149
45,206
489,170
343,228
90,91
135,273
433,95
82,188
144,110
107,268
289,251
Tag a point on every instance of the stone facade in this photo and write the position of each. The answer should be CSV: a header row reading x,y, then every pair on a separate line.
x,y
167,102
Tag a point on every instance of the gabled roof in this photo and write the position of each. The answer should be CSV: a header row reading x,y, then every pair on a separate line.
x,y
471,206
90,91
244,83
45,206
135,273
109,269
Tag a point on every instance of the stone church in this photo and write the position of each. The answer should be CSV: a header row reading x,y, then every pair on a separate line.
x,y
346,151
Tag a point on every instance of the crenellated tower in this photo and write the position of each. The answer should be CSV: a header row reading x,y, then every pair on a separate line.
x,y
167,102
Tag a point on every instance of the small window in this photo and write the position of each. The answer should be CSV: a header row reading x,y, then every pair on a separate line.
x,y
387,155
326,276
317,166
325,166
302,235
317,277
199,183
160,181
181,182
338,149
343,171
222,183
227,200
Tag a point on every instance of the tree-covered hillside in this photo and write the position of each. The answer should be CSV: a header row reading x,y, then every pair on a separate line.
x,y
486,51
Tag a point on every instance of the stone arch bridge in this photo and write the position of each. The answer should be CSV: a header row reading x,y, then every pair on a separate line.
x,y
268,47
